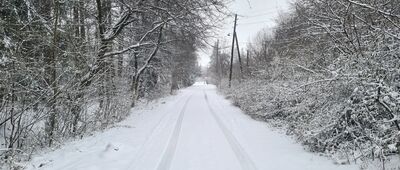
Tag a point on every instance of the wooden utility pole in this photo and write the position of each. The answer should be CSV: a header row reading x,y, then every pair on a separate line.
x,y
238,51
247,59
265,51
247,63
233,47
218,63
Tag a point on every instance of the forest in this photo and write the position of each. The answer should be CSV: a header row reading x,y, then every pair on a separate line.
x,y
328,74
68,68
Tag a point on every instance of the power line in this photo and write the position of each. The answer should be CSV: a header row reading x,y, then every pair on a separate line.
x,y
265,9
256,22
260,14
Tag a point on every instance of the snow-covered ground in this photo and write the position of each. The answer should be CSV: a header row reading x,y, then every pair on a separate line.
x,y
195,129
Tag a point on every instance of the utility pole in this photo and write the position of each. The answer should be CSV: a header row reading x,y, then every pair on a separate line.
x,y
233,47
265,51
218,63
247,61
238,51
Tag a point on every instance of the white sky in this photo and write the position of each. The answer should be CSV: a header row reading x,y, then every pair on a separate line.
x,y
253,16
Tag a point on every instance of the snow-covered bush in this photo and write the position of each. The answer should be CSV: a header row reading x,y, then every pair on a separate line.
x,y
331,78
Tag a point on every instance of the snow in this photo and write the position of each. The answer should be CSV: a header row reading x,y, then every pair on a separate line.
x,y
195,129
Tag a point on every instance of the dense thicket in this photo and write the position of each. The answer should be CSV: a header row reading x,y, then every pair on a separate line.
x,y
329,72
69,67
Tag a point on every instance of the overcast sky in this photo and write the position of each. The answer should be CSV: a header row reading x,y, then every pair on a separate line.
x,y
253,16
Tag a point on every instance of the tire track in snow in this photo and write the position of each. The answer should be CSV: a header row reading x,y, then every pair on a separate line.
x,y
217,104
154,132
169,153
242,156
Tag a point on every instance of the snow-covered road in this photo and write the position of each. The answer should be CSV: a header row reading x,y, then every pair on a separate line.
x,y
195,130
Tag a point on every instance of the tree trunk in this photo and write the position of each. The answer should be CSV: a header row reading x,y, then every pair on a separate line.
x,y
52,122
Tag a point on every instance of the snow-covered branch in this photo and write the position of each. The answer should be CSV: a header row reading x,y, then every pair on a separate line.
x,y
373,8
